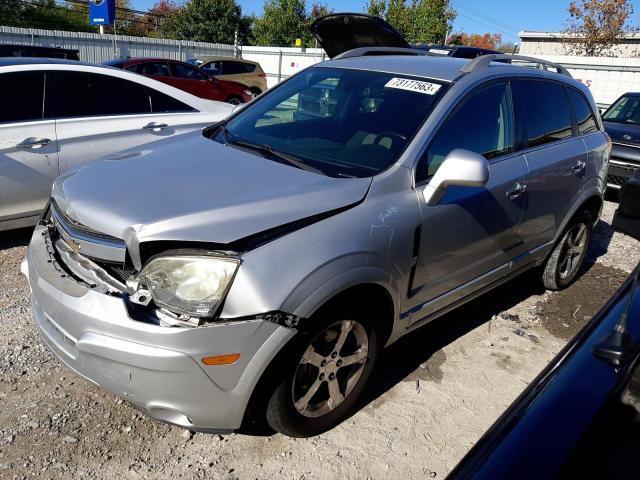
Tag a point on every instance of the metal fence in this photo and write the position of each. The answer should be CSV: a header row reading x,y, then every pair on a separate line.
x,y
96,48
278,63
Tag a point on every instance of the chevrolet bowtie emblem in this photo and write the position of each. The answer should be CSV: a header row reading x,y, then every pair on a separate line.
x,y
75,246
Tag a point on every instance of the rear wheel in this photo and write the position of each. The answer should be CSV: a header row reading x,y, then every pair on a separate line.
x,y
234,100
567,257
326,376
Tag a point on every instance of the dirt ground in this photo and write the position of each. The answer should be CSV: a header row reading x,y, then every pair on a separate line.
x,y
435,394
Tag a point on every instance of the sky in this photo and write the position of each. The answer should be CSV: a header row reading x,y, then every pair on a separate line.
x,y
506,17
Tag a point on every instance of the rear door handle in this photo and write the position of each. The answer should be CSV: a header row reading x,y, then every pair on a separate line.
x,y
155,126
578,167
33,143
519,189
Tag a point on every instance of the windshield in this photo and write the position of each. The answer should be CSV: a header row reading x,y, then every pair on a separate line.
x,y
343,123
625,110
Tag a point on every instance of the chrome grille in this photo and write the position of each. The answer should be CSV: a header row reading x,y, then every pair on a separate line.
x,y
85,240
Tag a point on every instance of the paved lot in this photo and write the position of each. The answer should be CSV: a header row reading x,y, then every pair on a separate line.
x,y
437,391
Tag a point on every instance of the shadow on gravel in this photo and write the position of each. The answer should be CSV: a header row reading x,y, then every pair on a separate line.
x,y
15,238
401,361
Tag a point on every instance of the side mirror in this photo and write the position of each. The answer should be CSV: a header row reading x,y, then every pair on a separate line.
x,y
460,167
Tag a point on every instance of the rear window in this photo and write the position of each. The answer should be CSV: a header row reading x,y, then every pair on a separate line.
x,y
584,115
547,111
21,96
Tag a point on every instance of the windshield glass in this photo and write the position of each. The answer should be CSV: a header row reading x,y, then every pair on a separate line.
x,y
625,110
343,123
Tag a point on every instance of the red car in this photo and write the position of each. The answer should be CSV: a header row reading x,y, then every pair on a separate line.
x,y
186,77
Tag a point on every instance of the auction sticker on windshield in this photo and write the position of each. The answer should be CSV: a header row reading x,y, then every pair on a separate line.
x,y
413,85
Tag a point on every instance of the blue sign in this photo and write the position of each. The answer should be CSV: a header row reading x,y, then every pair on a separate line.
x,y
102,12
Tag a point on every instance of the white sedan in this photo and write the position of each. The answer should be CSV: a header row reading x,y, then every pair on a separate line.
x,y
57,115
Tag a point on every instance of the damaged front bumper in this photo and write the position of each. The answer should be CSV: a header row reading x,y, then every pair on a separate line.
x,y
158,369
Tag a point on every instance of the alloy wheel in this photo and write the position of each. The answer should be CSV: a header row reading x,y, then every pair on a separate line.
x,y
330,368
572,251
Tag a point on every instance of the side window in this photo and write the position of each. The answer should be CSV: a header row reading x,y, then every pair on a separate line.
x,y
80,94
157,69
547,111
164,103
584,115
21,96
212,68
187,72
234,68
481,123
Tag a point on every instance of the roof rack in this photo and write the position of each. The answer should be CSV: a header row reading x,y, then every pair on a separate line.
x,y
484,61
364,51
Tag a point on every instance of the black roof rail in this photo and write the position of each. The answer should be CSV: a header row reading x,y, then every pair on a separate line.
x,y
485,60
369,51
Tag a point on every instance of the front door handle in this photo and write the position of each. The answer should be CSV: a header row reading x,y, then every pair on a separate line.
x,y
33,143
519,189
155,126
578,167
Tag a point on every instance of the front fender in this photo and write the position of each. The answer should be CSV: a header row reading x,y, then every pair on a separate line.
x,y
340,283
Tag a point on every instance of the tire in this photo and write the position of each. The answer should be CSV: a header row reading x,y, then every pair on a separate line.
x,y
305,369
561,268
234,100
256,91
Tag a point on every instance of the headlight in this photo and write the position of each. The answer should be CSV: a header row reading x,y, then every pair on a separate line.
x,y
191,285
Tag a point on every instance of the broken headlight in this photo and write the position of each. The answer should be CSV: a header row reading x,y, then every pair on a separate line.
x,y
190,284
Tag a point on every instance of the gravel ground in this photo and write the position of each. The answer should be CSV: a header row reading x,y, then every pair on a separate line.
x,y
438,390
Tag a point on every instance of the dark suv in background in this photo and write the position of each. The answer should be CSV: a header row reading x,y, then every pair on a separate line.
x,y
622,123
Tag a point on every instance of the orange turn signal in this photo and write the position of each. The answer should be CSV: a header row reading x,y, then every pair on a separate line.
x,y
221,359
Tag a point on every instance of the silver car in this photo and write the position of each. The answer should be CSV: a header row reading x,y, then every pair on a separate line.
x,y
256,269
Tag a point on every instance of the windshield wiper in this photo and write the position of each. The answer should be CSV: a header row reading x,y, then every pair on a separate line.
x,y
290,159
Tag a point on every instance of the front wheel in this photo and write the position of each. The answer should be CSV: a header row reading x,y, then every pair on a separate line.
x,y
327,375
567,257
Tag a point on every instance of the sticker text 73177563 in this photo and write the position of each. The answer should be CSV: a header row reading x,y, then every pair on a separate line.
x,y
427,88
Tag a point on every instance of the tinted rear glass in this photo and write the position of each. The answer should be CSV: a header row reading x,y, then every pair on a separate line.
x,y
547,111
584,115
21,96
80,94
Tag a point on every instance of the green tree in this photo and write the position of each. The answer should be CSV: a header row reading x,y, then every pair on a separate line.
x,y
419,21
205,21
281,23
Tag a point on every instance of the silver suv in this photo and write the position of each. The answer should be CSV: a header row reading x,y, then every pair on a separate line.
x,y
257,269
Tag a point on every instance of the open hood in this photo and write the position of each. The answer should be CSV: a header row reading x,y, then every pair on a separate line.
x,y
340,32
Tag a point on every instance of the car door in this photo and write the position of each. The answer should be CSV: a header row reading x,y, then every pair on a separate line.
x,y
469,238
194,81
100,114
556,157
28,147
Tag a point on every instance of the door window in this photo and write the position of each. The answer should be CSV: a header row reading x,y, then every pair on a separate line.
x,y
161,103
584,115
21,96
80,94
213,68
234,68
547,111
482,123
156,69
186,72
